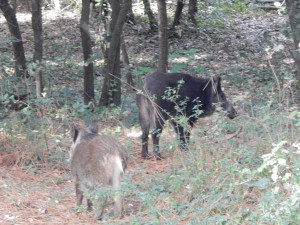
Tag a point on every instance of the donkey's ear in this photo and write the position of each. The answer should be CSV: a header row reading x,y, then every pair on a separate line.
x,y
74,132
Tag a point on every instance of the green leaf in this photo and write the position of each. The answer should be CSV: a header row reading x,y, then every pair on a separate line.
x,y
260,184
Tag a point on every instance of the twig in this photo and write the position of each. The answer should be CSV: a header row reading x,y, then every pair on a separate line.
x,y
273,71
235,133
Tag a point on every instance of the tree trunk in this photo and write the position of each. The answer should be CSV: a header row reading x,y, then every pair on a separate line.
x,y
178,12
162,36
37,27
104,29
149,13
18,49
111,90
192,10
293,7
126,62
88,83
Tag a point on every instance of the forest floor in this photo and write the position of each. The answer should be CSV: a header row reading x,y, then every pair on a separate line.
x,y
44,193
47,196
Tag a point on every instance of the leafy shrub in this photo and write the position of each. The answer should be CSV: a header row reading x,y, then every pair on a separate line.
x,y
281,201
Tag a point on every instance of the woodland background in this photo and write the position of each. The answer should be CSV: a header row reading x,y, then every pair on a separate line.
x,y
62,64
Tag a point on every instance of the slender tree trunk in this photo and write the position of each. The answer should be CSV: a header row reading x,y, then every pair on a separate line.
x,y
37,27
178,12
18,49
88,84
293,7
163,36
192,10
111,90
126,62
149,13
104,29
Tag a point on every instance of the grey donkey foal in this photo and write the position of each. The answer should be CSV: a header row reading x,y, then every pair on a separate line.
x,y
97,162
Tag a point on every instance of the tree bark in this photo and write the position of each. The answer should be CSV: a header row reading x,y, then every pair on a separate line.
x,y
178,12
293,7
17,43
37,26
149,13
111,90
162,36
192,10
88,83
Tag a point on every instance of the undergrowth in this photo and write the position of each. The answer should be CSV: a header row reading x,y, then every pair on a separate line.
x,y
241,171
251,178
